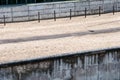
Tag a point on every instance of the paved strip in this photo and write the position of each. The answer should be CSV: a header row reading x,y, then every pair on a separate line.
x,y
35,38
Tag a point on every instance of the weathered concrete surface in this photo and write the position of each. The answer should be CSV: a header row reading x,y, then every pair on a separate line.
x,y
101,65
30,12
32,40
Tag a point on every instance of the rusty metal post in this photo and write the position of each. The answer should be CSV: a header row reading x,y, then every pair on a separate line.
x,y
28,14
4,20
70,14
39,17
113,10
12,14
54,16
85,12
99,10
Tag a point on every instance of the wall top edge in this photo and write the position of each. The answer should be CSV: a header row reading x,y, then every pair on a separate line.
x,y
12,63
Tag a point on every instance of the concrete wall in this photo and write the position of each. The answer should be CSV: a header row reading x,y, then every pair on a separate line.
x,y
100,65
30,12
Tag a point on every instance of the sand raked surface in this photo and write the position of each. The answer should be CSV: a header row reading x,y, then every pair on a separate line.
x,y
31,40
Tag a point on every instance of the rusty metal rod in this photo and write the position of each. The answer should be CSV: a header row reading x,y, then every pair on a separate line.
x,y
4,20
54,16
85,12
39,17
113,10
99,10
70,14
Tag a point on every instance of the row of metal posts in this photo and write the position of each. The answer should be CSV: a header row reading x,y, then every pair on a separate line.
x,y
71,13
85,14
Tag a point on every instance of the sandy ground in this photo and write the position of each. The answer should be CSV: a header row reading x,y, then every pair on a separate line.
x,y
30,40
